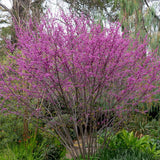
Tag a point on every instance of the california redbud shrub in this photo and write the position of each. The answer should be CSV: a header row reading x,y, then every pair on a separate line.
x,y
71,74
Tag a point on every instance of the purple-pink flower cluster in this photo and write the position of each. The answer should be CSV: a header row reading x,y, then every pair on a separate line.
x,y
74,58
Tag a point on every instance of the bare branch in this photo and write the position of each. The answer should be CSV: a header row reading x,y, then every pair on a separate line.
x,y
155,16
7,9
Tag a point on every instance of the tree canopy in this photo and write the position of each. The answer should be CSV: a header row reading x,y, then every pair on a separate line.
x,y
134,15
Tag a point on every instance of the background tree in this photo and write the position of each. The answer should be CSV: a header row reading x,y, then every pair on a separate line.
x,y
134,15
21,12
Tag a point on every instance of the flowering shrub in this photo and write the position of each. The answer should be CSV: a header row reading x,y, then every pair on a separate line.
x,y
92,71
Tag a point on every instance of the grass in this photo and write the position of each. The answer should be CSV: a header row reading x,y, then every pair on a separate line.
x,y
127,154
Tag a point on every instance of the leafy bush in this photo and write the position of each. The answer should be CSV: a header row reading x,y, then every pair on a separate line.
x,y
20,151
48,149
11,130
13,146
125,141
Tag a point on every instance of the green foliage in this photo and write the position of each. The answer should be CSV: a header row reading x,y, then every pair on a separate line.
x,y
152,129
154,111
125,140
126,154
23,150
52,152
38,146
11,130
51,148
31,149
7,31
144,123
